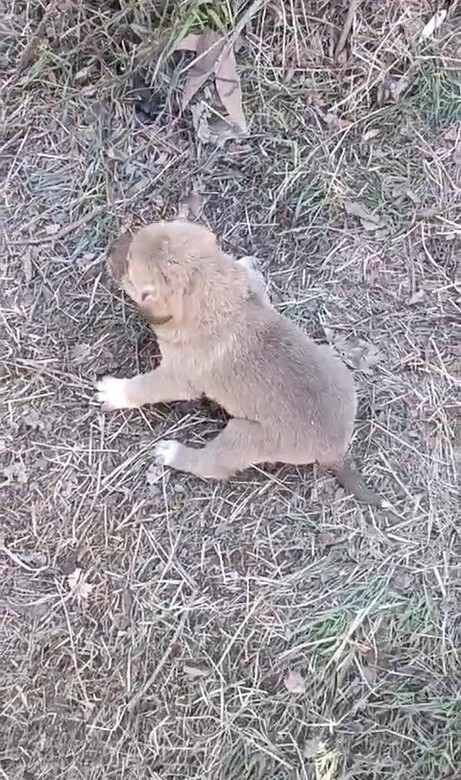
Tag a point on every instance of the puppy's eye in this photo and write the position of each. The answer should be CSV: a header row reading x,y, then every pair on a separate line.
x,y
145,295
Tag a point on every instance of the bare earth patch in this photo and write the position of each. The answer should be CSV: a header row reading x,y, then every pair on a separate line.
x,y
268,628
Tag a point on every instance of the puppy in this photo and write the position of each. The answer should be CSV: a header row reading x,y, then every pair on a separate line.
x,y
290,399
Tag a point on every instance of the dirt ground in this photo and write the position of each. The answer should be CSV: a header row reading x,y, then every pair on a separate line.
x,y
270,627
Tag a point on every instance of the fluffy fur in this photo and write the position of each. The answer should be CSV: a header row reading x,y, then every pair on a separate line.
x,y
290,399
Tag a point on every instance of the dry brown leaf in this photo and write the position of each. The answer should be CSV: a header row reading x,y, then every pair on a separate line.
x,y
363,355
370,134
189,43
336,122
355,351
433,24
209,48
191,206
79,588
222,130
314,747
327,538
33,420
154,474
392,87
195,672
15,472
417,297
228,87
370,662
355,209
27,265
52,229
294,682
402,582
127,609
452,133
214,57
369,226
200,113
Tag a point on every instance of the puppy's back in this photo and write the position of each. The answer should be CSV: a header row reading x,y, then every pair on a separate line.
x,y
298,390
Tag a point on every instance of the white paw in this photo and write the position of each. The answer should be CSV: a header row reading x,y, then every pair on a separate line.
x,y
112,393
250,262
165,451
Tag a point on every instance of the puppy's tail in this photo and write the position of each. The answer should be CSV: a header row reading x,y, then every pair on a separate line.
x,y
351,480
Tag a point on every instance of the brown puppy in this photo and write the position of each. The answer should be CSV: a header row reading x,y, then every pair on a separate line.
x,y
291,400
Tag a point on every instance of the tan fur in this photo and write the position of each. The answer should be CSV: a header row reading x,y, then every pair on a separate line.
x,y
291,400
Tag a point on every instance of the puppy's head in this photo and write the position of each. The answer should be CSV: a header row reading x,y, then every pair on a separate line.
x,y
175,273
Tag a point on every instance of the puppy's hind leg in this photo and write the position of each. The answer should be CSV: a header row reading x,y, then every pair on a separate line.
x,y
237,447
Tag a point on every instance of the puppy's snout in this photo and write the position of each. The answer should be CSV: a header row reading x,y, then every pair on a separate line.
x,y
154,307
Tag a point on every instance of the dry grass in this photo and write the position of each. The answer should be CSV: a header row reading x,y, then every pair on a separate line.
x,y
204,596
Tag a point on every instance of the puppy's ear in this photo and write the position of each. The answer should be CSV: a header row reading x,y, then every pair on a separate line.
x,y
118,256
155,308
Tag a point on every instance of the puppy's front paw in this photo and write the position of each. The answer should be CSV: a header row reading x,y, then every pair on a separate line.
x,y
113,394
166,451
250,262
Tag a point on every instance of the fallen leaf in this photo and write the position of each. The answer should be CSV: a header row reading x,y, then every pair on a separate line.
x,y
33,420
370,662
68,561
83,73
336,122
27,265
452,133
212,130
215,57
33,559
127,601
191,206
327,538
401,191
417,297
81,352
364,355
195,672
370,134
228,87
357,352
139,29
369,226
79,588
392,87
294,682
209,46
433,24
402,582
222,130
430,211
154,474
370,672
52,229
15,472
189,43
363,648
355,209
200,113
314,747
127,608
